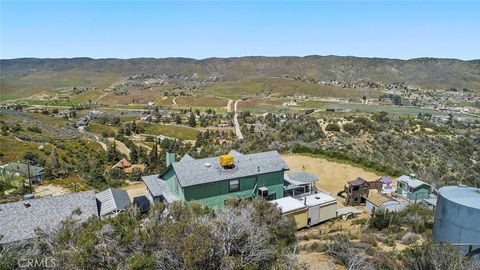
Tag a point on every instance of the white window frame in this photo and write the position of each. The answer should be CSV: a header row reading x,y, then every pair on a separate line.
x,y
237,185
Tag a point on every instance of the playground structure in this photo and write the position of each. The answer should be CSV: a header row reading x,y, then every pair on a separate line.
x,y
356,191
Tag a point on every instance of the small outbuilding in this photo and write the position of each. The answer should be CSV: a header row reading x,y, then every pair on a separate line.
x,y
291,207
356,190
112,201
321,207
376,202
412,188
142,203
386,184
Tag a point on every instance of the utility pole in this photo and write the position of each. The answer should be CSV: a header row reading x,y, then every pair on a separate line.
x,y
29,176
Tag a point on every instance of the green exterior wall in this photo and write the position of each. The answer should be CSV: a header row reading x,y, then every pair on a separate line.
x,y
417,194
214,194
171,178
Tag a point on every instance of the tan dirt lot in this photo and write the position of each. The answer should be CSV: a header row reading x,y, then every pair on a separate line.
x,y
332,175
49,190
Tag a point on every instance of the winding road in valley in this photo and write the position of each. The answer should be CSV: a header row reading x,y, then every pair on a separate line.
x,y
238,132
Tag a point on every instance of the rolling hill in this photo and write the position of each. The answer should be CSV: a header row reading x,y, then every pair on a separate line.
x,y
26,76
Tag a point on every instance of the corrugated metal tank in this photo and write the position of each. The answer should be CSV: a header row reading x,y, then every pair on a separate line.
x,y
457,216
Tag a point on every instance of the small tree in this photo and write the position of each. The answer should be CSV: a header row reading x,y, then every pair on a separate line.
x,y
178,119
191,121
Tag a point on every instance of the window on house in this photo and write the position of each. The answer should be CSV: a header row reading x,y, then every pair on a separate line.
x,y
234,185
176,186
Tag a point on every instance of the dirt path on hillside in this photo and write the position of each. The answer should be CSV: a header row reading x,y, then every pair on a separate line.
x,y
49,190
332,175
229,105
101,96
98,140
121,147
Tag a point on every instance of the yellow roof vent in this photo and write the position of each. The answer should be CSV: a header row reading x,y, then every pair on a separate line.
x,y
227,161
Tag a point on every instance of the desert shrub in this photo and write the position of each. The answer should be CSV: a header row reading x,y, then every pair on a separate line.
x,y
354,258
369,239
384,219
34,129
332,127
410,238
431,256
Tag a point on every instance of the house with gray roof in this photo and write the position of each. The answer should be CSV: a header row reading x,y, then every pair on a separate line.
x,y
210,182
112,201
20,220
409,187
22,169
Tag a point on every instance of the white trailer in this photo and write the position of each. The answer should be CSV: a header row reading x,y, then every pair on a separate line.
x,y
321,207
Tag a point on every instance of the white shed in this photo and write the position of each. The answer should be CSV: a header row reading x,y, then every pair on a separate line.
x,y
378,201
321,207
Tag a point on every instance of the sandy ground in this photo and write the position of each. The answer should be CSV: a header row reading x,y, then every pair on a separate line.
x,y
135,189
49,190
318,261
332,175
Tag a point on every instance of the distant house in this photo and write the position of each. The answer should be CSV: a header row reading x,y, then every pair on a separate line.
x,y
408,186
112,201
291,207
19,220
127,167
377,201
82,121
21,169
212,181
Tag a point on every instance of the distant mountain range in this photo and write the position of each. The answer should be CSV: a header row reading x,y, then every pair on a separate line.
x,y
28,73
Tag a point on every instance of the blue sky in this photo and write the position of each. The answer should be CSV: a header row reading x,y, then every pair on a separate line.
x,y
223,29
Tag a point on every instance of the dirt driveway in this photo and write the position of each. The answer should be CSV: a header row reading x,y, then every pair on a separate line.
x,y
135,189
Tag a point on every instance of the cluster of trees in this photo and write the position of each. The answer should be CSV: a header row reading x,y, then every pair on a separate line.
x,y
248,235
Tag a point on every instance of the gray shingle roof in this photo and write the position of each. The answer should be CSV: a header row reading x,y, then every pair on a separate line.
x,y
206,170
111,200
414,183
158,187
186,157
19,223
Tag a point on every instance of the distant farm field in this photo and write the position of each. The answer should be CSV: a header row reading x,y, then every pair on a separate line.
x,y
100,129
179,132
133,97
201,101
